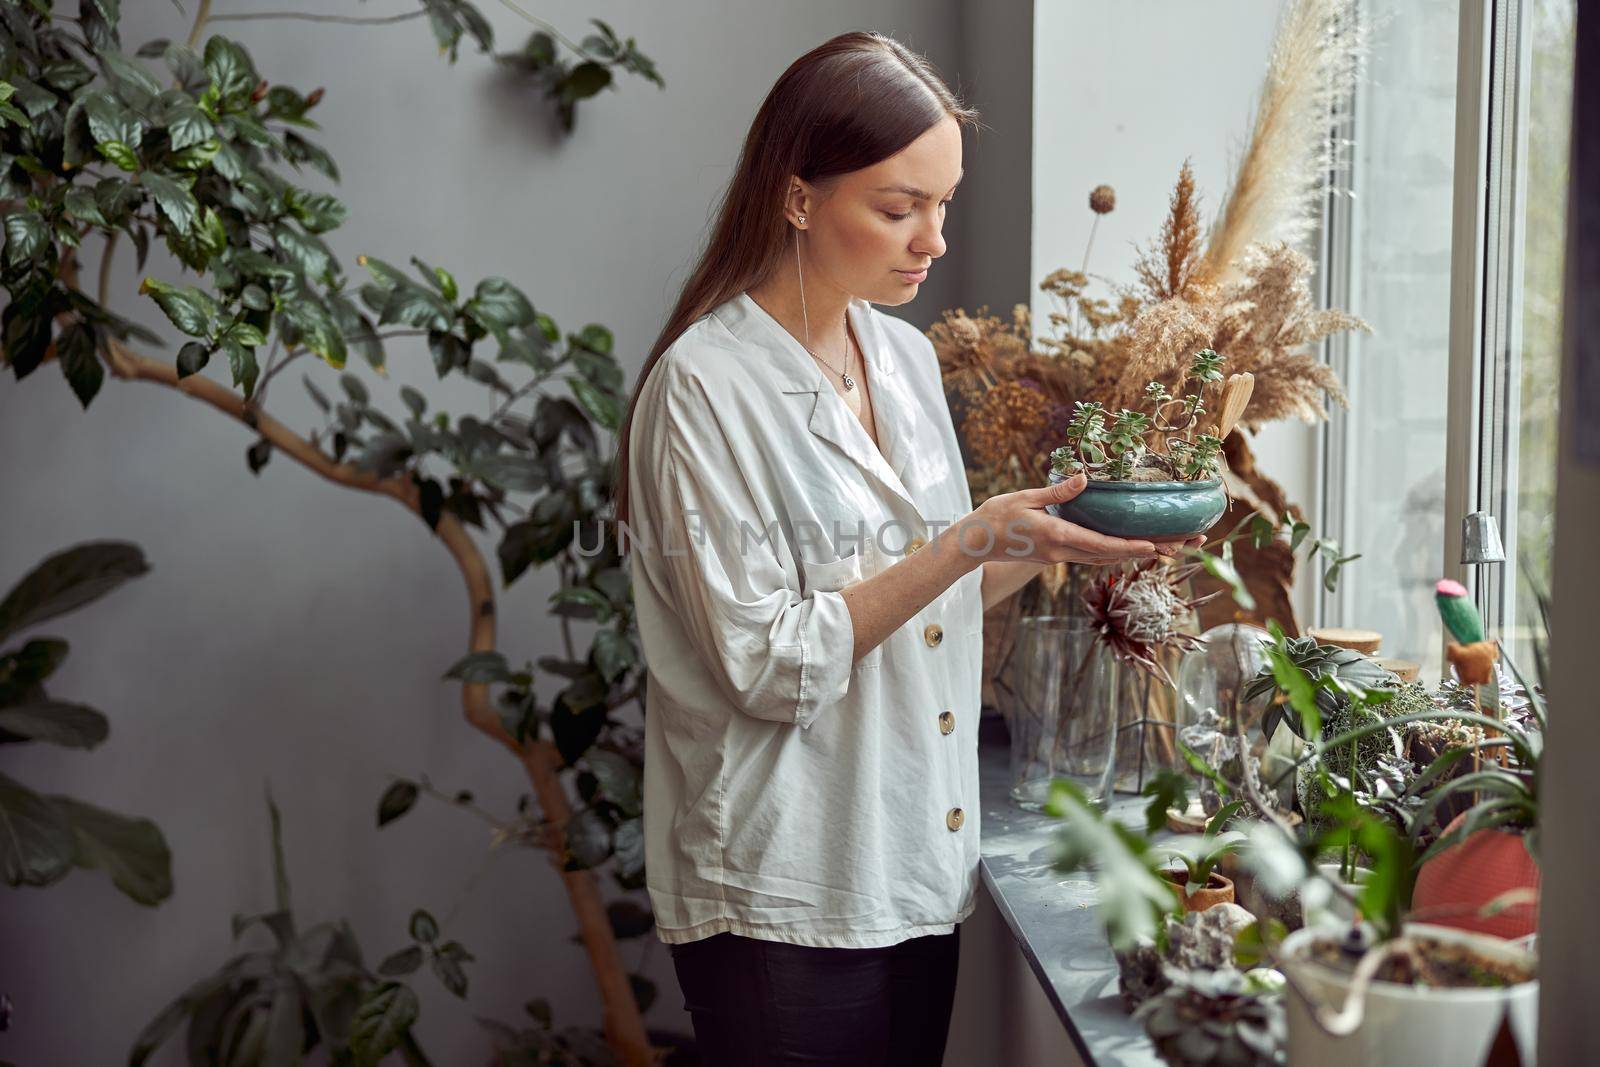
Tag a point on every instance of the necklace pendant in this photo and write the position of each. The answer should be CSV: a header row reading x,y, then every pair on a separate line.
x,y
849,382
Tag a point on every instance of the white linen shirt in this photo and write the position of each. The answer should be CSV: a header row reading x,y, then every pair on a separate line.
x,y
789,794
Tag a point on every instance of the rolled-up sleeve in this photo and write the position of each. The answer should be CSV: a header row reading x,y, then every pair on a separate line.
x,y
777,653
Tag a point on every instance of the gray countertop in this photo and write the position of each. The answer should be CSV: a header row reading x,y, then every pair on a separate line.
x,y
1052,915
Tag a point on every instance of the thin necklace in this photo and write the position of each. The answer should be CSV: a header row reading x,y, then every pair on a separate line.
x,y
844,375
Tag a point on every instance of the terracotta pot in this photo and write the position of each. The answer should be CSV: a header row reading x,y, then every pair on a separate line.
x,y
1454,886
1217,890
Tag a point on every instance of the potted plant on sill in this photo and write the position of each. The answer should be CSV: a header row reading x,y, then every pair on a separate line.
x,y
1200,885
1482,872
1151,474
1388,989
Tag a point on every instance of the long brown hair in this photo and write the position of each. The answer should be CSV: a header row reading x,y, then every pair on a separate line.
x,y
847,104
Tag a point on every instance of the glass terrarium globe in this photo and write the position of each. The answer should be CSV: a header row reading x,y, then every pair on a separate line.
x,y
1213,677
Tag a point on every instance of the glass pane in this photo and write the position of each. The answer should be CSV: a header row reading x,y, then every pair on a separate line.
x,y
1393,438
1550,28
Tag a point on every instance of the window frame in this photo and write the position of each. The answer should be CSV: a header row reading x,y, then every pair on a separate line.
x,y
1484,361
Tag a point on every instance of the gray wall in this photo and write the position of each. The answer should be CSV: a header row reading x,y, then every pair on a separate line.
x,y
293,632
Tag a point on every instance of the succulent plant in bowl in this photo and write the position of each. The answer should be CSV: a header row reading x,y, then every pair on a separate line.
x,y
1153,474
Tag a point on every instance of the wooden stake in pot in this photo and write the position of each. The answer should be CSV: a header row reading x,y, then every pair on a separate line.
x,y
1236,393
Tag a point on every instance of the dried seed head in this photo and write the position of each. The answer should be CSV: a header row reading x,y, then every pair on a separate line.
x,y
1102,199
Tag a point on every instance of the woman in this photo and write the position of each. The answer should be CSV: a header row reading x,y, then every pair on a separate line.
x,y
810,578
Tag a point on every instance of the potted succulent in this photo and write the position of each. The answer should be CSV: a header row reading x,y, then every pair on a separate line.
x,y
1153,472
1222,1017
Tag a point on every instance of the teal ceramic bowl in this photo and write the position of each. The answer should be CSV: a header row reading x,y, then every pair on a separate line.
x,y
1150,511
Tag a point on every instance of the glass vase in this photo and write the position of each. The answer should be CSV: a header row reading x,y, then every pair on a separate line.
x,y
1063,721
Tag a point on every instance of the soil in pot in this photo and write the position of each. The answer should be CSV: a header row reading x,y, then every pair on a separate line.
x,y
1444,965
1217,890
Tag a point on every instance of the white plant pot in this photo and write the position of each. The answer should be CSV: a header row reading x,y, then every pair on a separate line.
x,y
1321,906
1403,1024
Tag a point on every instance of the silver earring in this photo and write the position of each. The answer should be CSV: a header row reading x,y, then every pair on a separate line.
x,y
801,219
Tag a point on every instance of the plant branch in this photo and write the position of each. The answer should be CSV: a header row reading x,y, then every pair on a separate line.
x,y
351,20
624,1026
202,12
548,28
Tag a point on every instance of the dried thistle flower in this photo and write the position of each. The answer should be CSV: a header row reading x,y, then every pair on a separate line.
x,y
1139,614
1102,200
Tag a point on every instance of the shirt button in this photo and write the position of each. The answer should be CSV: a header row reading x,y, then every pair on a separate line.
x,y
914,544
933,633
955,818
947,722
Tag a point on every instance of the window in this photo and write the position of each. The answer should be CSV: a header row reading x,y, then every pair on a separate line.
x,y
1451,246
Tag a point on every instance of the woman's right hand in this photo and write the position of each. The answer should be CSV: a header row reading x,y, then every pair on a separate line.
x,y
1015,527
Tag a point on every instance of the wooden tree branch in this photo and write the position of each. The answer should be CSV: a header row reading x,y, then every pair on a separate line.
x,y
624,1026
623,1023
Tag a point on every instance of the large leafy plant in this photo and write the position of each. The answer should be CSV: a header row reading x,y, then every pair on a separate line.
x,y
209,158
308,989
46,835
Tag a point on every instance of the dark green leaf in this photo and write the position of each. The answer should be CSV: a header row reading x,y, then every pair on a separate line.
x,y
67,580
38,845
413,400
602,407
628,844
187,67
192,358
401,963
81,204
644,991
317,212
173,198
382,1020
614,654
629,919
57,722
232,74
26,236
131,81
480,667
499,305
423,926
131,850
618,777
398,799
75,351
242,363
258,454
111,122
189,309
588,840
299,150
451,974
511,472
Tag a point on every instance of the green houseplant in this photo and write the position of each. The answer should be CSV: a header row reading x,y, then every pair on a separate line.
x,y
1389,989
210,158
47,835
1151,474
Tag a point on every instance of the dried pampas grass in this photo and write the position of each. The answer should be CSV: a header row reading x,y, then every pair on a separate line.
x,y
1168,270
1318,54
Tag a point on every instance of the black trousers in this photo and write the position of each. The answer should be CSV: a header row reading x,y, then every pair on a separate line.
x,y
756,1002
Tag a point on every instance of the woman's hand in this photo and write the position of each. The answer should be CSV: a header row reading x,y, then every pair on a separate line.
x,y
1015,527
